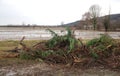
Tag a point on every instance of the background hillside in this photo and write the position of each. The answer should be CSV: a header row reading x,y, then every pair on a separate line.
x,y
114,23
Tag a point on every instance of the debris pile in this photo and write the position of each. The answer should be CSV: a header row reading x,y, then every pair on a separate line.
x,y
103,51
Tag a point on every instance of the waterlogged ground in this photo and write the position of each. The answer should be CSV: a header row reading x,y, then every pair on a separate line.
x,y
43,69
18,67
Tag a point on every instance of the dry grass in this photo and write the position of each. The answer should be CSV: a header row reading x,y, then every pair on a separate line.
x,y
11,44
15,62
8,45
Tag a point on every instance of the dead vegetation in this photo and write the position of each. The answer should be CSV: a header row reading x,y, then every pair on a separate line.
x,y
68,50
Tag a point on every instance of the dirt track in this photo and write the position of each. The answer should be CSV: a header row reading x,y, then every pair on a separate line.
x,y
43,69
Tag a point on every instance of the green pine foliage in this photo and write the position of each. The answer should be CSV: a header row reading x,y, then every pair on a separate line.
x,y
101,44
67,40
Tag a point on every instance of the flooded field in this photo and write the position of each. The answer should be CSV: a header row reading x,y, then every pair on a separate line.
x,y
33,33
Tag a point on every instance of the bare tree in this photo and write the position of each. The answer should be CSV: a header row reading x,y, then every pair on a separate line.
x,y
106,22
86,17
95,13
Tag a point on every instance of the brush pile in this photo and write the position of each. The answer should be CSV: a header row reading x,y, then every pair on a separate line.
x,y
103,51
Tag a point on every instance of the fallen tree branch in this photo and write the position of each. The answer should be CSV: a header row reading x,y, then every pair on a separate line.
x,y
25,48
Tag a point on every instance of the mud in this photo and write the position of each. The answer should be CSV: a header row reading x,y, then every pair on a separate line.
x,y
43,69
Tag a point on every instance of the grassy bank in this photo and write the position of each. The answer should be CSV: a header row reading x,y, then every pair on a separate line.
x,y
11,44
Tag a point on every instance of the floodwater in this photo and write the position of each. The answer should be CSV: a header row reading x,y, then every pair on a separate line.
x,y
9,33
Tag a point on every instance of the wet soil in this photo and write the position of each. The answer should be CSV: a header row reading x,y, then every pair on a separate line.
x,y
43,69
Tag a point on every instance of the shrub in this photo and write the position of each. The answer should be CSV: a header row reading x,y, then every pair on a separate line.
x,y
26,55
66,42
99,45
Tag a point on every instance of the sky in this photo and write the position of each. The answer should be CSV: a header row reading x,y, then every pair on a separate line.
x,y
50,12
